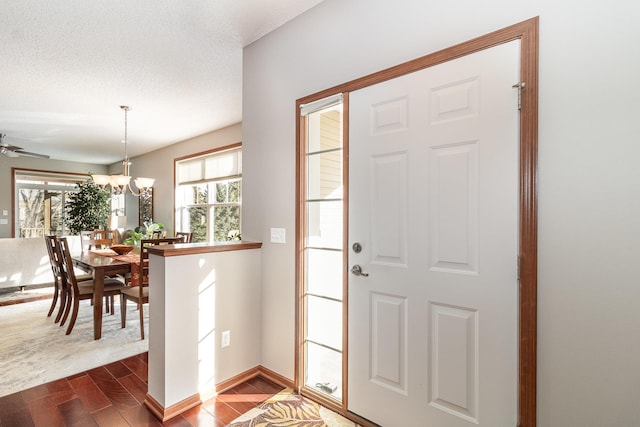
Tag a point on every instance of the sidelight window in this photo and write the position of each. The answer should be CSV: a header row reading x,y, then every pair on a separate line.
x,y
322,261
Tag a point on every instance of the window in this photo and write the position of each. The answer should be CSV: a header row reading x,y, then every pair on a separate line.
x,y
322,262
40,200
209,195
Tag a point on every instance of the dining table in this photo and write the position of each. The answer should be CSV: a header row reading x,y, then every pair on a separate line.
x,y
100,265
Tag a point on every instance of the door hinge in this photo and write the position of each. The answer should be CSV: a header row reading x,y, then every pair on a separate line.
x,y
519,267
519,86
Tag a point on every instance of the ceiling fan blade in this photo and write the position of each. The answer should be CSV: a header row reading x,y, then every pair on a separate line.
x,y
6,152
29,154
13,151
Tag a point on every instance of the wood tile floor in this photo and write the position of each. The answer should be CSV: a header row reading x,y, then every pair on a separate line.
x,y
112,396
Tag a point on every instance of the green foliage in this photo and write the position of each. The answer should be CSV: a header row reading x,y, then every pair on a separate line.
x,y
88,208
226,221
213,208
198,216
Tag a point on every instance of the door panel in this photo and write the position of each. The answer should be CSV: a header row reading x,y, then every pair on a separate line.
x,y
388,342
453,220
389,209
433,177
453,374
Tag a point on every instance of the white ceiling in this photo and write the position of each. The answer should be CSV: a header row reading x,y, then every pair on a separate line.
x,y
67,65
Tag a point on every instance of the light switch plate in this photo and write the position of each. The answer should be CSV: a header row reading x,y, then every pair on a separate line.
x,y
225,339
5,212
278,235
4,221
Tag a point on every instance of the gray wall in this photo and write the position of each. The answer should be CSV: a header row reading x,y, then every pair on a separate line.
x,y
159,165
589,211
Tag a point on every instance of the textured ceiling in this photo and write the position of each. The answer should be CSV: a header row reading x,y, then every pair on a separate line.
x,y
67,65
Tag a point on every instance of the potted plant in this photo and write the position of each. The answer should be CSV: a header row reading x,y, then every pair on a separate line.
x,y
88,208
144,232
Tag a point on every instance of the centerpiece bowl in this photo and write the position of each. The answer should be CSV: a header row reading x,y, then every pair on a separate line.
x,y
121,249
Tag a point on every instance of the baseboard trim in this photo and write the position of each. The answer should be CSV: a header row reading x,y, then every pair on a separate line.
x,y
230,383
275,377
164,414
252,373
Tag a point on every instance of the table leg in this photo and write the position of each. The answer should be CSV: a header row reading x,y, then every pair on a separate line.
x,y
98,291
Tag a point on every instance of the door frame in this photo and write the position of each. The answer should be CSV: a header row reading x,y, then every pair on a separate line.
x,y
528,34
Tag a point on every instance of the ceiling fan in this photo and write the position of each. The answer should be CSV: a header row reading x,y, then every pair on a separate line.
x,y
13,151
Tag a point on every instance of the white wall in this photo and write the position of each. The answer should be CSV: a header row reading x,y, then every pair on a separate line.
x,y
194,298
589,201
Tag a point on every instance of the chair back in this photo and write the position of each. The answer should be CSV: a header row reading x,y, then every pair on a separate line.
x,y
144,256
54,257
159,234
186,237
66,265
96,239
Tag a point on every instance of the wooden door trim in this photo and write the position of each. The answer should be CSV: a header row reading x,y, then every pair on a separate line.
x,y
528,34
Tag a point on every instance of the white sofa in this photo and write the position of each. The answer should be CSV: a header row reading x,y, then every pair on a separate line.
x,y
25,262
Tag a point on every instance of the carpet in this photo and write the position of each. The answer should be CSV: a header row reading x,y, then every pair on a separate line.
x,y
34,350
291,410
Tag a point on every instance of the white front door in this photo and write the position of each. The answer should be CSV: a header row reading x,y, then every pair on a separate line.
x,y
433,203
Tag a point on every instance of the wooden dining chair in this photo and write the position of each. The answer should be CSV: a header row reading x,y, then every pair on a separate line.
x,y
140,294
99,239
96,239
59,290
186,237
77,291
159,234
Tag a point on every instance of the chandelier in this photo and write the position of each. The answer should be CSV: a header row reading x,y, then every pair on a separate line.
x,y
120,183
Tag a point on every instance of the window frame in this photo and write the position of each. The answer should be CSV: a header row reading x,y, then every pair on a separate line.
x,y
310,152
74,177
179,208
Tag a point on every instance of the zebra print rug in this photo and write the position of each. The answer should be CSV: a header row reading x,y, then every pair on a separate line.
x,y
293,410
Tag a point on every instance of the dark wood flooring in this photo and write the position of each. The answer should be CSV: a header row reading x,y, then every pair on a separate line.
x,y
112,396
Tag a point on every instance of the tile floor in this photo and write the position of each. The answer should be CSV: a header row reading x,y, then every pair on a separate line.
x,y
112,396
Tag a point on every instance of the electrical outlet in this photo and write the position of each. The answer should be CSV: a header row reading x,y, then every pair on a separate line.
x,y
225,339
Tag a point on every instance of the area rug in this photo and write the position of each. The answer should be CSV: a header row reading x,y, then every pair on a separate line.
x,y
34,350
291,410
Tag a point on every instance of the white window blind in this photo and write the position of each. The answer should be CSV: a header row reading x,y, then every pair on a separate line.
x,y
311,107
217,166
